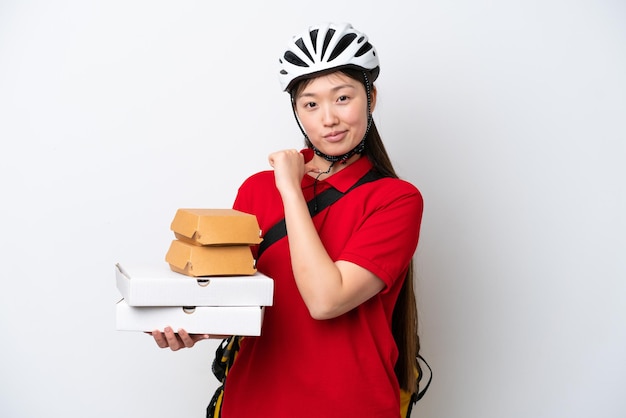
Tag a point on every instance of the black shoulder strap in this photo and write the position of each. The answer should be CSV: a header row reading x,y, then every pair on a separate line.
x,y
316,205
420,393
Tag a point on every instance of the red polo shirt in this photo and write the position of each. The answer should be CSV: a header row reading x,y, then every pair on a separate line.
x,y
341,367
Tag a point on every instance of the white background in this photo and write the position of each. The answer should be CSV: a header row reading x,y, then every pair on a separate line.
x,y
508,115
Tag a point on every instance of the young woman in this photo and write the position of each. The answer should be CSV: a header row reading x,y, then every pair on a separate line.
x,y
341,339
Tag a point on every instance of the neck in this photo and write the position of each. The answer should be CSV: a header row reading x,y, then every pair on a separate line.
x,y
328,168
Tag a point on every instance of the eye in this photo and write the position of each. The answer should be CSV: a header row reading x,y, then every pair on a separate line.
x,y
309,105
343,98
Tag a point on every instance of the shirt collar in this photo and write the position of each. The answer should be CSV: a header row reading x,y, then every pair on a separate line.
x,y
344,179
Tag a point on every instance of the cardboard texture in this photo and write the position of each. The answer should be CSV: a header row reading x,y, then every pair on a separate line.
x,y
198,261
222,320
160,286
216,227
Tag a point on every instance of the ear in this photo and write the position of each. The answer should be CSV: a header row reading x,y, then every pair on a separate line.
x,y
373,94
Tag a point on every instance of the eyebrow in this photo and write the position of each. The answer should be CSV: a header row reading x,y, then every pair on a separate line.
x,y
339,87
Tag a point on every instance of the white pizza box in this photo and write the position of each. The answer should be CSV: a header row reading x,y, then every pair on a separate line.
x,y
158,285
217,320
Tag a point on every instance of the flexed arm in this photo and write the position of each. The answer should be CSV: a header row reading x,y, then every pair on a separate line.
x,y
328,288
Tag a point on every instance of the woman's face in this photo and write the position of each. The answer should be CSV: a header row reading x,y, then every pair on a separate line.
x,y
333,111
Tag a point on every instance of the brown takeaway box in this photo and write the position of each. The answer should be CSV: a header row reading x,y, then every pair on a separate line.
x,y
210,260
216,227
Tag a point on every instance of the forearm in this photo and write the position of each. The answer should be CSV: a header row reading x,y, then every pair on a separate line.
x,y
318,278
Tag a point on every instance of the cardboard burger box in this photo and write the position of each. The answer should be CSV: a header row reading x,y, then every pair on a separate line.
x,y
210,260
218,320
160,286
216,227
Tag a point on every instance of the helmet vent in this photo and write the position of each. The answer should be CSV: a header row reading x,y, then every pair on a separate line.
x,y
342,45
329,36
292,58
302,47
313,34
366,47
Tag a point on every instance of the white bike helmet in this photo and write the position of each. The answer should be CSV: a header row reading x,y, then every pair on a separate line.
x,y
324,48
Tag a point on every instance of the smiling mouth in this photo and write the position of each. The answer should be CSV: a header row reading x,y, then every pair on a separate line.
x,y
335,136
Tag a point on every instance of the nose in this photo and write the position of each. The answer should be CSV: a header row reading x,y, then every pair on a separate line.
x,y
329,117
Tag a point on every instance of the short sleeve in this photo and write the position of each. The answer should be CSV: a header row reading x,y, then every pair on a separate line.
x,y
385,241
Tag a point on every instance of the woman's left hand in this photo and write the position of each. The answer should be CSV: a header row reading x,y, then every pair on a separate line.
x,y
176,340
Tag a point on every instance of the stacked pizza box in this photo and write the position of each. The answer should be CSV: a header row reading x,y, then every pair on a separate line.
x,y
209,283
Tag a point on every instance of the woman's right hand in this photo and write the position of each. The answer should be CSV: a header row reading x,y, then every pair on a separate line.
x,y
176,340
290,166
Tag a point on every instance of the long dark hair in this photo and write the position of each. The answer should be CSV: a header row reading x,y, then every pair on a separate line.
x,y
404,319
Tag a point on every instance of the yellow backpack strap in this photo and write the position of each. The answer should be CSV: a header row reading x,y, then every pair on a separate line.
x,y
405,403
